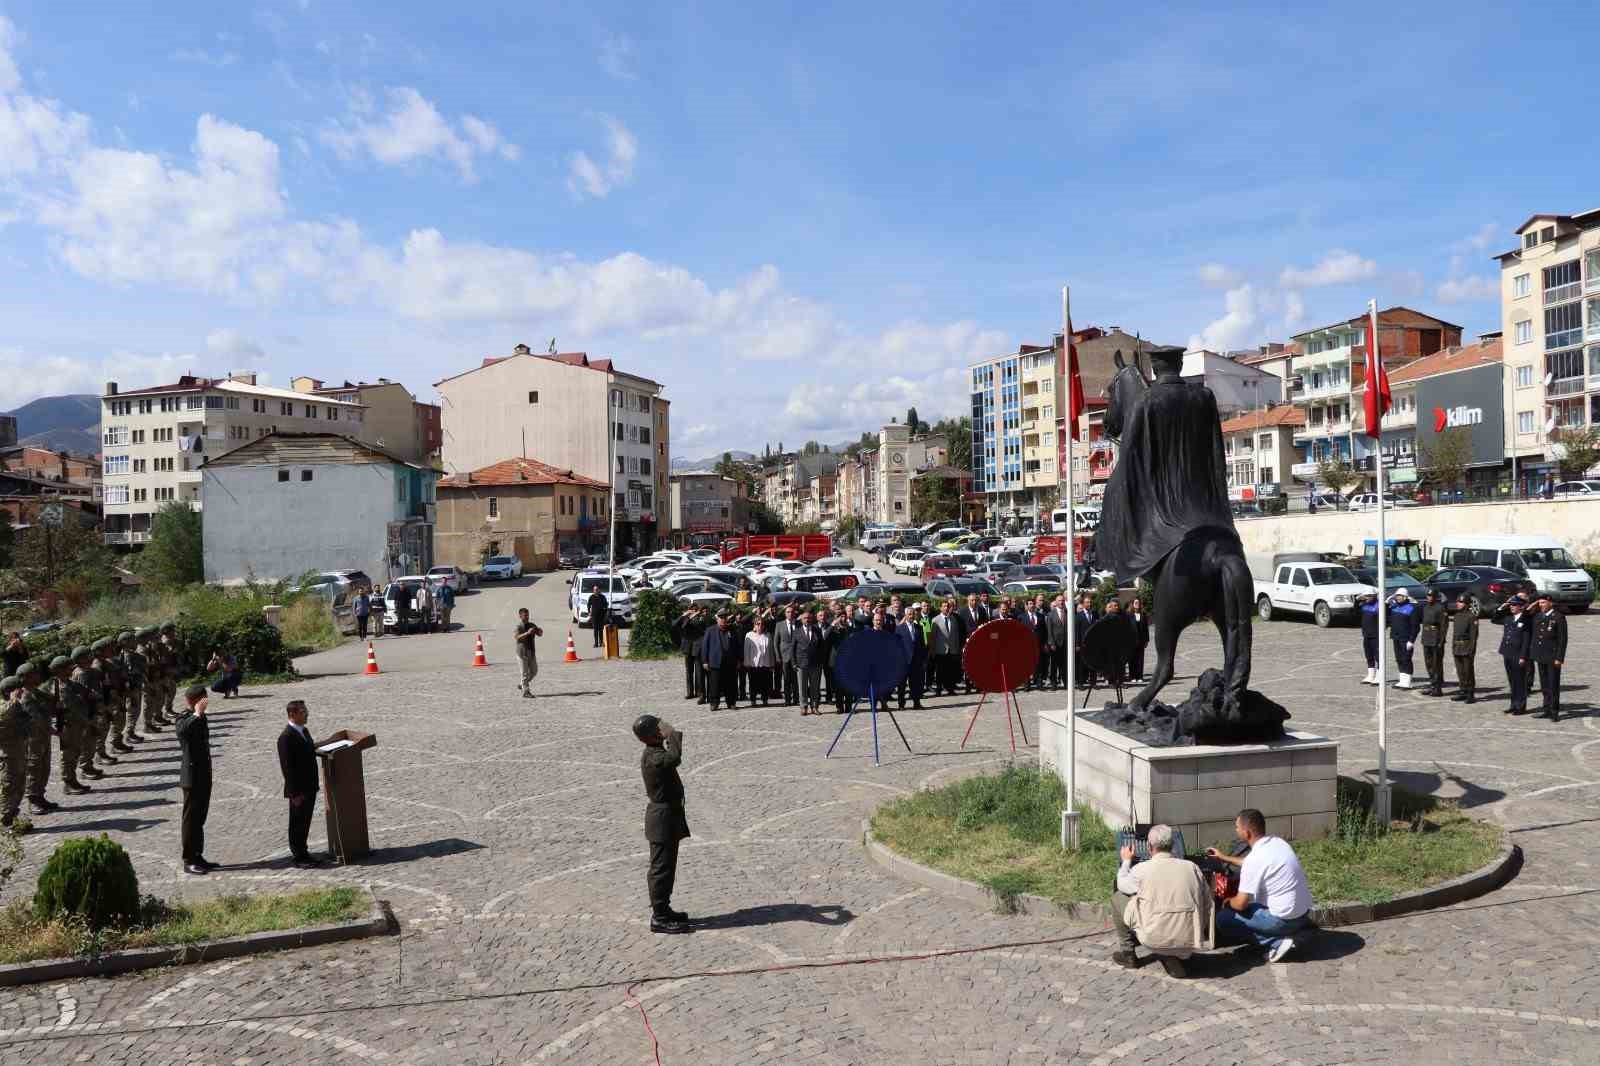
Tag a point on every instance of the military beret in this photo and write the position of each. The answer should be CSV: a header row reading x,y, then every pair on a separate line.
x,y
79,652
29,667
58,662
102,644
10,684
169,627
646,726
146,633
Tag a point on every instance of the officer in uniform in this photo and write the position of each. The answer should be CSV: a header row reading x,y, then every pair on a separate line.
x,y
1369,637
14,726
1464,646
1514,643
155,677
109,663
41,722
1548,649
169,651
86,674
665,824
1435,616
74,714
1402,616
134,668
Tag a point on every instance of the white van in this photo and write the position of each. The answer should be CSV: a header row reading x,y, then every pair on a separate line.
x,y
874,537
1087,515
1543,560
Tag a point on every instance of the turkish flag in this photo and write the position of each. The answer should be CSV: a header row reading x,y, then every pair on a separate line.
x,y
1377,398
1074,384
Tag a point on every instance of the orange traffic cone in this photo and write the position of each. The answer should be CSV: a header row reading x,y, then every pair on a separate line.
x,y
372,661
572,650
477,653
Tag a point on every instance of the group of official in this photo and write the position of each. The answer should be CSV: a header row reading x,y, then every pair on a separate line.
x,y
1533,645
790,655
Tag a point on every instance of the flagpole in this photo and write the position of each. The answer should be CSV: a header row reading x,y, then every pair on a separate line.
x,y
1380,797
1069,817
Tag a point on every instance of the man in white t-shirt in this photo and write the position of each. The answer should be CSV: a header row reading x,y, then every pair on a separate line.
x,y
1274,900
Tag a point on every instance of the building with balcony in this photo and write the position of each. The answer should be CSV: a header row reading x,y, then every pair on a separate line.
x,y
286,503
394,420
706,502
578,414
1328,370
518,507
1259,450
154,440
1094,455
1550,321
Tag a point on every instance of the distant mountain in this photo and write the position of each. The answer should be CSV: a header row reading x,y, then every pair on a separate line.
x,y
64,423
681,463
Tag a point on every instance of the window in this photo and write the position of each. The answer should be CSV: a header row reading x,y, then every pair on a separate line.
x,y
633,434
1523,331
622,465
644,403
1264,441
533,395
1547,235
333,414
137,437
1521,285
115,436
311,410
193,403
160,436
258,406
283,475
644,466
1525,423
171,403
233,403
1563,325
162,495
138,466
1300,580
146,406
214,403
1525,376
285,408
646,498
494,507
162,466
619,430
644,435
633,464
305,475
616,397
400,489
115,493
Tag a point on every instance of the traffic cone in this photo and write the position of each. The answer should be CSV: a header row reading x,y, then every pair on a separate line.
x,y
572,650
477,653
372,661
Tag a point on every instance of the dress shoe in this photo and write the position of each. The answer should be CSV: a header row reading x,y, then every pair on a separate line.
x,y
92,773
75,789
207,863
1470,699
677,916
196,869
664,924
117,745
917,707
306,862
1128,960
1458,697
41,806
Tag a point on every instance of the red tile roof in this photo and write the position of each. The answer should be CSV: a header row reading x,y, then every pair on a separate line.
x,y
519,472
1449,360
1282,415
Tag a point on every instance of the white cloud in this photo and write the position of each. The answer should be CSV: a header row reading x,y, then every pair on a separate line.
x,y
617,58
1238,324
1294,309
412,128
28,375
10,76
231,344
587,177
694,432
1469,289
1219,275
1486,235
1336,268
34,133
205,58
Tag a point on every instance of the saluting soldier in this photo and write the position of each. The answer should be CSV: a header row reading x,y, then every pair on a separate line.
x,y
169,649
93,680
155,677
108,660
14,726
136,669
1514,650
665,824
41,723
1548,649
74,717
1435,617
1464,647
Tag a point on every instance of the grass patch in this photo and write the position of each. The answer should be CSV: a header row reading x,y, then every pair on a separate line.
x,y
307,625
26,938
1003,830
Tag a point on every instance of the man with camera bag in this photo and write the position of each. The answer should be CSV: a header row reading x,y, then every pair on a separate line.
x,y
665,824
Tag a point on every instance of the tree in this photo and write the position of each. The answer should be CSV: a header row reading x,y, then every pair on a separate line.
x,y
1337,474
935,498
1580,448
849,529
912,422
46,555
811,448
1445,459
766,520
766,452
174,556
957,433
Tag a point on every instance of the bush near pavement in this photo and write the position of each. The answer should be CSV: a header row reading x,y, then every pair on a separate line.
x,y
90,878
651,637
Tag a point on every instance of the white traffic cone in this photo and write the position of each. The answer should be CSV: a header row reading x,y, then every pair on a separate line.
x,y
1404,682
1372,676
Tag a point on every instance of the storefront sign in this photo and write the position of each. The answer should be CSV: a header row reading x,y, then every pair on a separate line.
x,y
1467,401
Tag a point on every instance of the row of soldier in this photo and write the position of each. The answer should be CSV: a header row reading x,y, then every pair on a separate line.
x,y
732,656
91,701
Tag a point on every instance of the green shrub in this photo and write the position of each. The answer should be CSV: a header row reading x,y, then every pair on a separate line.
x,y
652,625
308,624
91,878
1422,571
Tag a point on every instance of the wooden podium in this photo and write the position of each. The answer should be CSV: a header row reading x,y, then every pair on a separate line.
x,y
345,793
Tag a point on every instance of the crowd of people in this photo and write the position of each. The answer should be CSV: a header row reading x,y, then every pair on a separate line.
x,y
1533,646
789,655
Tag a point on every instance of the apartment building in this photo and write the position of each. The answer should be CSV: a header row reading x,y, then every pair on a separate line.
x,y
155,440
1329,369
575,413
1550,319
706,502
1258,449
395,421
51,465
794,487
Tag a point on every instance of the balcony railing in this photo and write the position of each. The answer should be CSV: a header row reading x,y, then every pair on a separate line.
x,y
1565,339
127,537
1562,293
1564,387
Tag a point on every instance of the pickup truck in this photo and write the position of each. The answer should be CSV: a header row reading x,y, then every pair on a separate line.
x,y
1325,591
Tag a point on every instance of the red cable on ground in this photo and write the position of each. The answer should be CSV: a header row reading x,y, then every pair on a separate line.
x,y
633,1001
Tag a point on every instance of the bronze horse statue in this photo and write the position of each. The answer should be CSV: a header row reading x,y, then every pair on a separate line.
x,y
1166,518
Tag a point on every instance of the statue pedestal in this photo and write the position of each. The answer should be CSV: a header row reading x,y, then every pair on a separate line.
x,y
1199,788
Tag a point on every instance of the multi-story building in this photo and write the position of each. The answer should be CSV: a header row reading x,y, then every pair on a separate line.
x,y
8,430
395,421
997,435
900,455
1550,318
518,507
577,414
1328,370
705,502
155,440
1238,386
790,487
83,470
1258,448
663,466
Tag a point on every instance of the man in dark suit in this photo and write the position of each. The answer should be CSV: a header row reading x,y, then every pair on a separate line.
x,y
720,650
1056,623
973,615
194,777
1141,638
915,642
297,759
945,643
1548,649
807,650
690,629
665,824
783,641
1514,641
1086,618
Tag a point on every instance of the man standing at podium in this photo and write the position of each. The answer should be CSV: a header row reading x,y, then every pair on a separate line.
x,y
297,758
665,824
194,777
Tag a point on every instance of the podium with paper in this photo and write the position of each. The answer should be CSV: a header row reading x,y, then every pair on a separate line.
x,y
345,793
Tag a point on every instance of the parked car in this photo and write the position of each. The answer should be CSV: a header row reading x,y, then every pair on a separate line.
x,y
834,562
691,585
1576,488
1541,559
618,590
1327,501
713,600
783,599
1393,582
939,565
452,576
1030,587
1486,587
1036,571
1245,509
571,557
960,587
1368,501
391,617
881,589
825,585
1326,591
502,568
906,560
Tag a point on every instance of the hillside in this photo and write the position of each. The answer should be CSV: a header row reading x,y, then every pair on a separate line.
x,y
65,423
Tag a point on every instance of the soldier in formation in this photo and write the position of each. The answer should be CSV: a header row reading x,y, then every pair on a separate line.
x,y
1464,647
1434,620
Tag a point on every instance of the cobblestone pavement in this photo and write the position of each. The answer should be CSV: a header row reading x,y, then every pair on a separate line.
x,y
509,841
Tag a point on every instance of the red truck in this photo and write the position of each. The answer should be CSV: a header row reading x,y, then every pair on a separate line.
x,y
807,547
1054,549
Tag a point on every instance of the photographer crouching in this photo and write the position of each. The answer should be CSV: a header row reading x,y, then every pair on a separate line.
x,y
1274,898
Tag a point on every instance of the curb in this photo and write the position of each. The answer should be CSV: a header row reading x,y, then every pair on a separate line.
x,y
379,922
1480,882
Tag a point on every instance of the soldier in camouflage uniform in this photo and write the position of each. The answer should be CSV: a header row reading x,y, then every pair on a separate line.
x,y
75,715
169,648
155,678
93,680
13,749
133,669
110,665
42,713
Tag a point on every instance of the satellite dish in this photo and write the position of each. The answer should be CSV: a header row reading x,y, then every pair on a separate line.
x,y
1548,378
1550,424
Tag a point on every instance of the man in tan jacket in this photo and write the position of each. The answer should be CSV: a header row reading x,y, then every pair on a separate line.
x,y
1164,904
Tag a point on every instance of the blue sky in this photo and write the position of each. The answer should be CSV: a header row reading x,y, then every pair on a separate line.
x,y
800,218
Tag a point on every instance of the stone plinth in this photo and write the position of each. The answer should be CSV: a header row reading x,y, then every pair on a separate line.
x,y
1198,789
